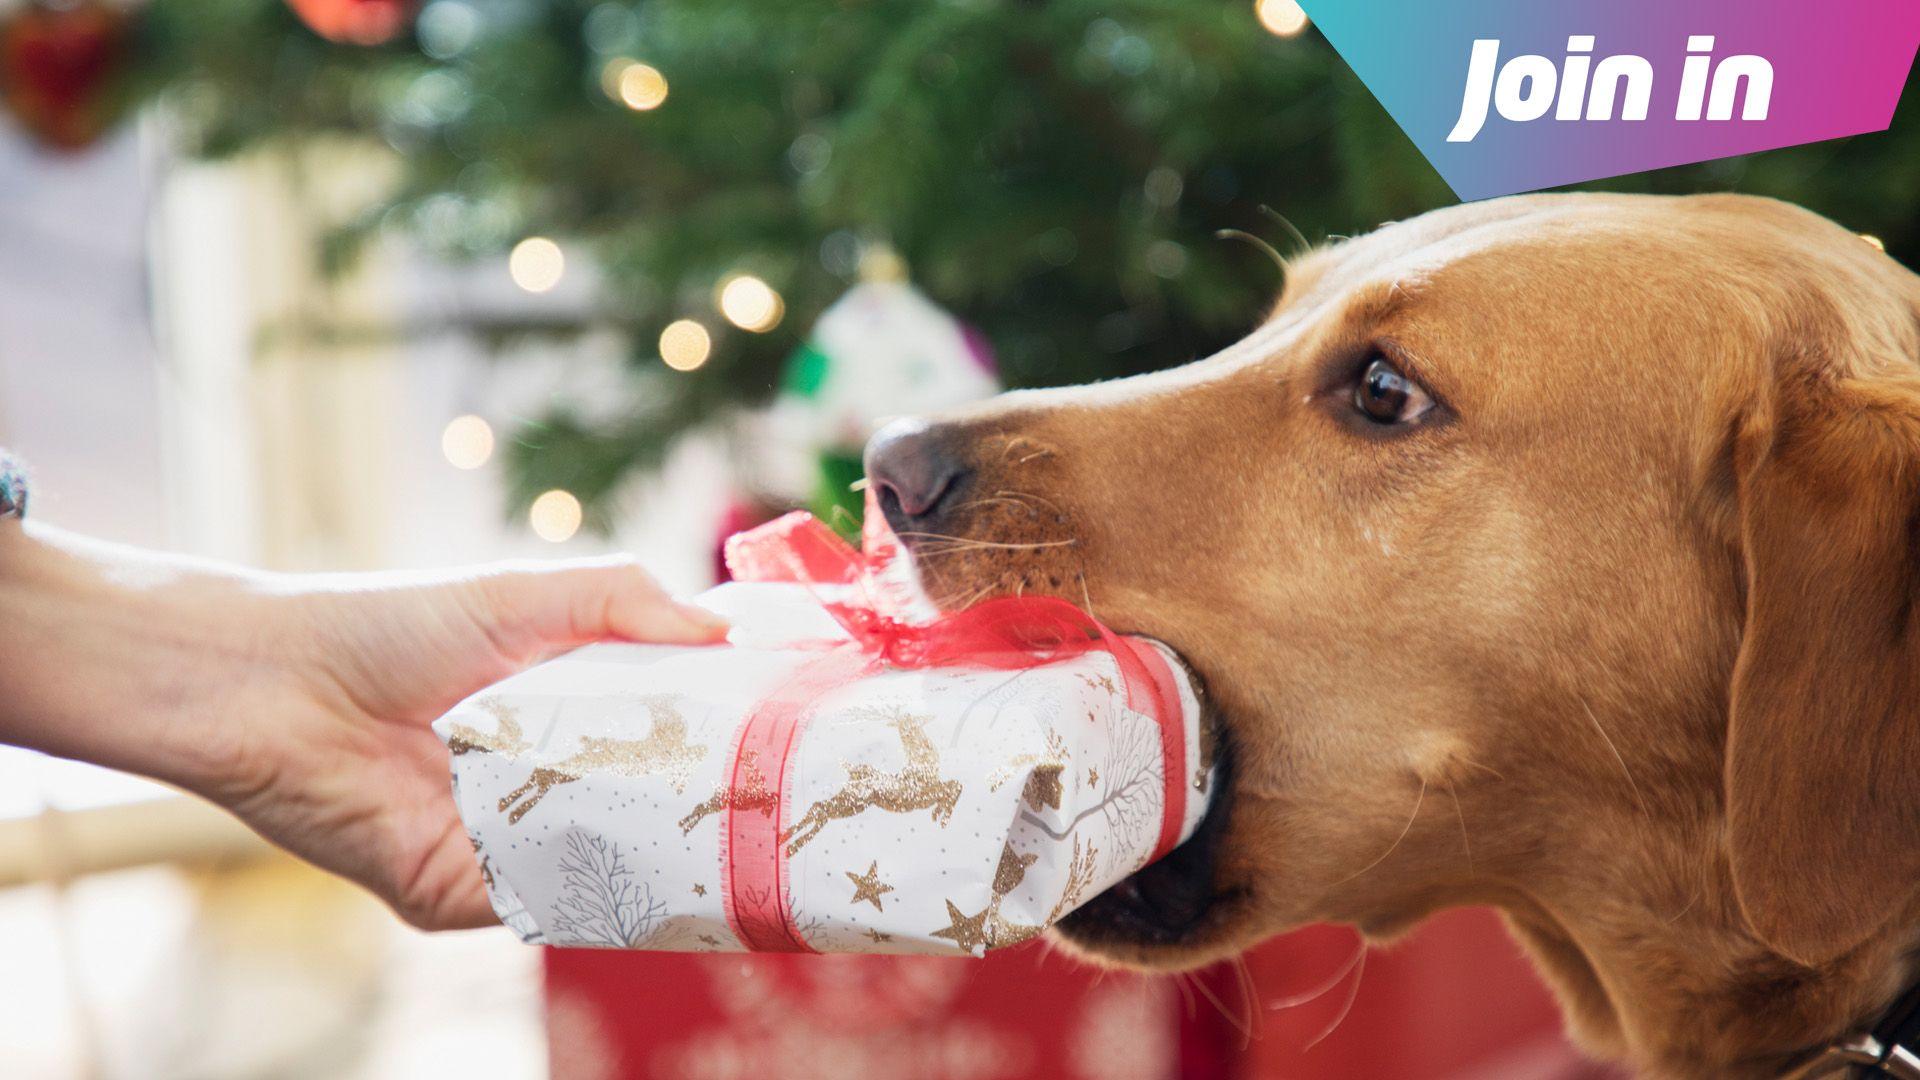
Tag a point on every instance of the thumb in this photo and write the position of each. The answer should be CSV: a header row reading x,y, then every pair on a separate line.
x,y
551,607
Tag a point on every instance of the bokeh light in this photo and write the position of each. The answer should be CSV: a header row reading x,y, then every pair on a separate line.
x,y
1166,258
555,516
641,86
751,304
685,345
467,441
447,28
354,22
536,264
1283,17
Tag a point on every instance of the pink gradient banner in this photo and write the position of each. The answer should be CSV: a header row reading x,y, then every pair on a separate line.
x,y
1504,96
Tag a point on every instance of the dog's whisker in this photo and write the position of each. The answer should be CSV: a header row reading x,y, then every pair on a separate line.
x,y
1028,545
1293,230
1346,1007
1637,796
1180,980
1013,444
1464,760
1678,914
991,500
928,536
1391,848
1249,993
1086,595
1035,450
1246,1033
1296,1000
972,599
1279,260
937,552
930,550
981,594
1048,503
1464,842
929,556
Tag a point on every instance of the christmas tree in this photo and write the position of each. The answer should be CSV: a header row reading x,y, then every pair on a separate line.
x,y
1057,173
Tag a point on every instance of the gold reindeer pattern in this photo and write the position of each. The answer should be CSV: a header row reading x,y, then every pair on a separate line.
x,y
917,785
1043,787
1080,867
506,738
990,929
1011,872
664,751
751,793
903,784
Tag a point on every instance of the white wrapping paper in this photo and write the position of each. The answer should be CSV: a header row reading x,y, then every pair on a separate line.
x,y
933,811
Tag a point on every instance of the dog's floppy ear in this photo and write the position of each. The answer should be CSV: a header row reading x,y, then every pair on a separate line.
x,y
1823,746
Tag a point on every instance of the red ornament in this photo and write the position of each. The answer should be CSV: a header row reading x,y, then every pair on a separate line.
x,y
354,22
58,66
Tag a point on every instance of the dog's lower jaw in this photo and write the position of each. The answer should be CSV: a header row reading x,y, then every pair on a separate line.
x,y
1209,945
1175,913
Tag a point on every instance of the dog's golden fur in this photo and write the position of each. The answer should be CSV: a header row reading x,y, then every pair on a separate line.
x,y
1621,641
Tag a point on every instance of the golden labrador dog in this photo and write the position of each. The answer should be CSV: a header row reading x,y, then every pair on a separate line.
x,y
1558,553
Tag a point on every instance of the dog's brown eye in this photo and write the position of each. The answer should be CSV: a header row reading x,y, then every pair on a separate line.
x,y
1386,396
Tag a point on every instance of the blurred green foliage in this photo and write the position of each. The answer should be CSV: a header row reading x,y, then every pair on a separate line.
x,y
1053,171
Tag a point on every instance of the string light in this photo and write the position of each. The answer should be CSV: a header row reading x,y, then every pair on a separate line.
x,y
640,87
684,345
1875,242
1282,17
467,441
536,264
555,516
610,75
751,304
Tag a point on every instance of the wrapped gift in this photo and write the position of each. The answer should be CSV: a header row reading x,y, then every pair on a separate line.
x,y
835,778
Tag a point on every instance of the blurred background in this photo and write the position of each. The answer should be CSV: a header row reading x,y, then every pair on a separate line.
x,y
342,284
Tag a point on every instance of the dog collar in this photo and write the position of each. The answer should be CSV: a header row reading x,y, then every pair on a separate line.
x,y
1890,1050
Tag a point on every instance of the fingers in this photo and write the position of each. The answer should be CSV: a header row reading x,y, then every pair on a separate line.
x,y
637,609
465,909
448,891
573,603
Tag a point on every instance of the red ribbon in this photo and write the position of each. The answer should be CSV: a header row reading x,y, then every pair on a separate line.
x,y
1007,634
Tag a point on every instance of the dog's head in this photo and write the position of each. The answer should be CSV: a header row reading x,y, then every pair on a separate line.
x,y
1554,551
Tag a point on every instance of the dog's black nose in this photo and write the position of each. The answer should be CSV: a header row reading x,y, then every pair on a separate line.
x,y
913,470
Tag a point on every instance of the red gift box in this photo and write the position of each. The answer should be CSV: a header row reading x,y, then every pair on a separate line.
x,y
1456,1001
1016,1015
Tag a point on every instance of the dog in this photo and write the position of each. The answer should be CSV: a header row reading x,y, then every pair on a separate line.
x,y
1555,553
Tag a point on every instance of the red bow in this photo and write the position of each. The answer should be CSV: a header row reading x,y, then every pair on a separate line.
x,y
1006,633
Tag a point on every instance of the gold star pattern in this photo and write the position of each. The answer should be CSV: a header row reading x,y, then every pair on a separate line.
x,y
699,889
868,886
1093,777
967,931
877,936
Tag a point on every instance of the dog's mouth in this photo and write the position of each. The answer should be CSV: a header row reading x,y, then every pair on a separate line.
x,y
1171,902
1168,903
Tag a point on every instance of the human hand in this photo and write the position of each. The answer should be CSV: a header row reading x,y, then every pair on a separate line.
x,y
301,704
